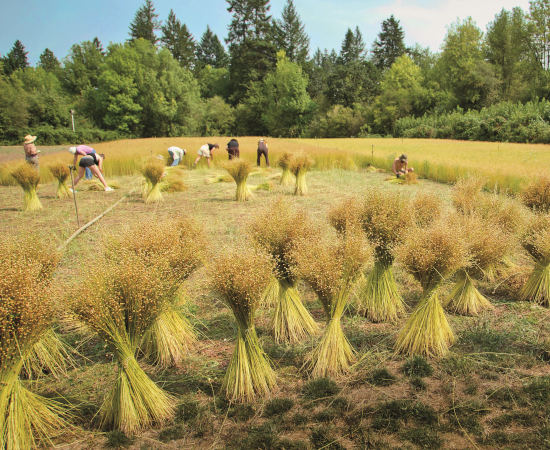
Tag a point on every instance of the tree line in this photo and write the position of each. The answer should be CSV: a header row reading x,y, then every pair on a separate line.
x,y
267,81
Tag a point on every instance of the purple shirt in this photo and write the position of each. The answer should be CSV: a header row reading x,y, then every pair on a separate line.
x,y
84,150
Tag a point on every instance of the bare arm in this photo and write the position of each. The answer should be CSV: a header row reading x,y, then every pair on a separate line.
x,y
100,162
394,167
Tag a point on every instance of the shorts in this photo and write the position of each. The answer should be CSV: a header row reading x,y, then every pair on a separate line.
x,y
87,161
204,152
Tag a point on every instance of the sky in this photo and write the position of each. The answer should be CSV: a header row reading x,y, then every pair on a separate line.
x,y
58,24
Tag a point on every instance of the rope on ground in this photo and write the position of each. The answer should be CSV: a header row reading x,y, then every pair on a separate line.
x,y
90,223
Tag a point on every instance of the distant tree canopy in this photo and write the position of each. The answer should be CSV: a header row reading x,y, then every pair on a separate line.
x,y
266,80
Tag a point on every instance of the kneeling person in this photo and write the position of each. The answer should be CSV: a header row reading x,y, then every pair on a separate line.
x,y
400,166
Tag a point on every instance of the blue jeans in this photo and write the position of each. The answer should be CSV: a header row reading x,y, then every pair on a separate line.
x,y
89,175
176,162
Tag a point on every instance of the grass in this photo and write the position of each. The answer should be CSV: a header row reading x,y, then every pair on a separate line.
x,y
512,385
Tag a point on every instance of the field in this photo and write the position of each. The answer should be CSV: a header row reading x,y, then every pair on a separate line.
x,y
491,391
506,166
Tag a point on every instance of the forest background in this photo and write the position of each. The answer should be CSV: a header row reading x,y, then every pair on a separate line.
x,y
490,85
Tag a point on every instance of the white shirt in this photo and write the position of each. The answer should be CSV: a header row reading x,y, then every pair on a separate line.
x,y
177,152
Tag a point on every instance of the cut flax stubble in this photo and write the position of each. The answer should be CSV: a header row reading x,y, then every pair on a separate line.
x,y
285,162
330,266
27,310
239,276
153,171
276,230
239,171
61,174
28,178
385,218
431,255
487,246
128,296
182,245
536,240
300,164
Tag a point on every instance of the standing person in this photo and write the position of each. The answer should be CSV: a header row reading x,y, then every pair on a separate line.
x,y
262,150
206,152
91,160
82,150
31,153
233,149
177,154
400,166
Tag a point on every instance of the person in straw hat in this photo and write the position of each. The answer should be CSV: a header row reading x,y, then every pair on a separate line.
x,y
31,153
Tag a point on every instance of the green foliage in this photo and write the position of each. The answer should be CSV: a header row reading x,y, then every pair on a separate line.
x,y
49,62
512,122
15,59
320,388
417,366
145,23
217,119
210,51
179,41
288,105
278,406
423,438
290,34
390,45
381,377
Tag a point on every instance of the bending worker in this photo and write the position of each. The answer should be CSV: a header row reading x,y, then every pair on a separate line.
x,y
90,159
262,150
400,166
177,154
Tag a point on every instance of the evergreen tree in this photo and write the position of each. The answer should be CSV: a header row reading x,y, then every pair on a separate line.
x,y
48,61
290,34
251,47
98,45
177,38
353,47
16,58
390,45
145,23
210,51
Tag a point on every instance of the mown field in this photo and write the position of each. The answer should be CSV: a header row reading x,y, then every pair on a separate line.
x,y
491,391
506,166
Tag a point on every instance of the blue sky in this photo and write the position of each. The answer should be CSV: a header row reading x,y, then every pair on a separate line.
x,y
57,24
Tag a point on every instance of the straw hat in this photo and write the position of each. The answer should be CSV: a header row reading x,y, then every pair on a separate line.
x,y
29,139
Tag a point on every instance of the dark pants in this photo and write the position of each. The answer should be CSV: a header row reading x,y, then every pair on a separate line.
x,y
259,159
233,152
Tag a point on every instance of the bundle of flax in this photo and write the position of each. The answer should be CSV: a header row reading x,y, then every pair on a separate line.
x,y
299,166
431,255
153,172
239,276
239,171
536,240
28,178
61,174
181,243
276,231
128,296
285,162
330,266
385,218
27,309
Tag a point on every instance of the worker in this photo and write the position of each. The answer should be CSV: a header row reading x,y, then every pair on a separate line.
x,y
400,166
206,152
262,150
176,154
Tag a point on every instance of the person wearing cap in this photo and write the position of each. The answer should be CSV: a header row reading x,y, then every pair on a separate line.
x,y
31,153
176,154
262,150
91,160
206,152
400,166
